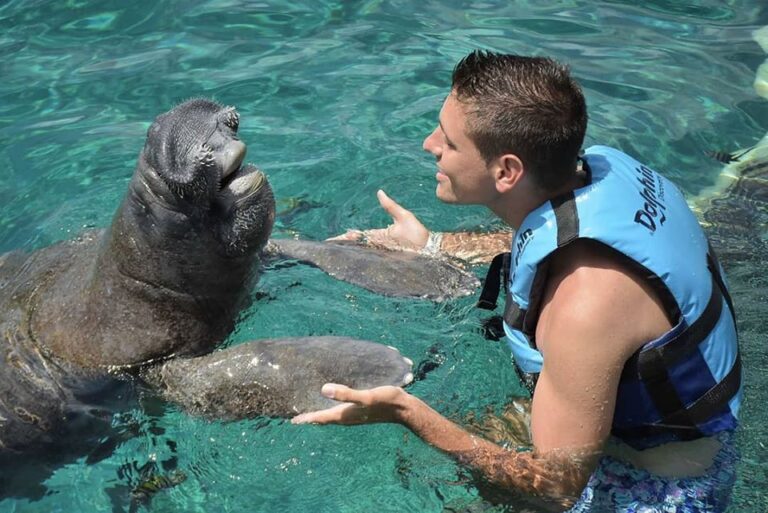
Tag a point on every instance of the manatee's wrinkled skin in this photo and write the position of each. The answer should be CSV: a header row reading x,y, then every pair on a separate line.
x,y
280,377
167,279
390,273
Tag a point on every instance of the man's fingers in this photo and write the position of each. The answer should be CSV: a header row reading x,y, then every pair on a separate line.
x,y
344,394
332,415
349,235
381,238
391,206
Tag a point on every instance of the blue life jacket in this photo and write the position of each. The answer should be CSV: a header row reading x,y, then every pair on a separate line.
x,y
687,383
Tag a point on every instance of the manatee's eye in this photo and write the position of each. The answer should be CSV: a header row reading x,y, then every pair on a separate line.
x,y
232,119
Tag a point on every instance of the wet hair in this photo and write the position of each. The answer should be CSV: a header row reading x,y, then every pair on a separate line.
x,y
529,106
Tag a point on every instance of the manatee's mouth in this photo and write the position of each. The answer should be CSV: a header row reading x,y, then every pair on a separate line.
x,y
241,181
195,167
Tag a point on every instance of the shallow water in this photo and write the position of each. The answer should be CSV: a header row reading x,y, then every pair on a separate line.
x,y
335,98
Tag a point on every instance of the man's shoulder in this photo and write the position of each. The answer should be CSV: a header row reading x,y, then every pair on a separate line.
x,y
591,288
584,254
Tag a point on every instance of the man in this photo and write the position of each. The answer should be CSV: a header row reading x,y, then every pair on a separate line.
x,y
615,304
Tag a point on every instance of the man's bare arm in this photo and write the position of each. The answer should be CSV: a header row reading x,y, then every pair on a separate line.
x,y
558,475
475,248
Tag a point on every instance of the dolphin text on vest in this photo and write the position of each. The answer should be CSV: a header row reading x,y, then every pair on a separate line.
x,y
653,209
522,242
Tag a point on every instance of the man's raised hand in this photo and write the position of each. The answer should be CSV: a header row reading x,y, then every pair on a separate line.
x,y
405,233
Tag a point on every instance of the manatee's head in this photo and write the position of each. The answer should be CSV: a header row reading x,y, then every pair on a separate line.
x,y
192,167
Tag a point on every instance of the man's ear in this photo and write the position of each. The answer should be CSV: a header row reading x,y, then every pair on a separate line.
x,y
508,172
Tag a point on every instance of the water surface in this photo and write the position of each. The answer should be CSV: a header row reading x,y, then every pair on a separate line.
x,y
335,98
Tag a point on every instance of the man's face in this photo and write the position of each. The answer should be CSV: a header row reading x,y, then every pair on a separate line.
x,y
462,174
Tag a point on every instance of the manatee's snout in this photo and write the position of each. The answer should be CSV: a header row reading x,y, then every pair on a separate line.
x,y
237,182
196,160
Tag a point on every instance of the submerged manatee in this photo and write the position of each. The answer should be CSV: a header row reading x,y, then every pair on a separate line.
x,y
734,211
165,281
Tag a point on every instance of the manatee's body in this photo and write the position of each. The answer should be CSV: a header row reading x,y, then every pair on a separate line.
x,y
391,273
167,279
36,392
80,320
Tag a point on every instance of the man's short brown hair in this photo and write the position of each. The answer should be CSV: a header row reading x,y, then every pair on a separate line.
x,y
528,106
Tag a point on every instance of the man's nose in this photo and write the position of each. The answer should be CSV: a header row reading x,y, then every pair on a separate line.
x,y
430,143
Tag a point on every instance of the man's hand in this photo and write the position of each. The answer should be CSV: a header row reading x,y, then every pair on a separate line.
x,y
381,404
405,233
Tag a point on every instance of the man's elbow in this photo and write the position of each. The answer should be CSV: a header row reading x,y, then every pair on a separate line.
x,y
562,479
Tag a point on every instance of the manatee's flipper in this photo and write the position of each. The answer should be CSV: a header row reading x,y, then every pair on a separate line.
x,y
391,273
276,377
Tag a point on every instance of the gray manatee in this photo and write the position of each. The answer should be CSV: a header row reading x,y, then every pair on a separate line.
x,y
81,320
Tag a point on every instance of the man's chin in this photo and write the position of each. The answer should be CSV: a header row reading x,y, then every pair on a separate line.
x,y
443,195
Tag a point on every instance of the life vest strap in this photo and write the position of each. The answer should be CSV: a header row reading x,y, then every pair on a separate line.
x,y
497,274
683,425
514,316
714,267
566,217
716,398
688,340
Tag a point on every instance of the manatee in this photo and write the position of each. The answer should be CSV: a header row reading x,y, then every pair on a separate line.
x,y
83,320
386,272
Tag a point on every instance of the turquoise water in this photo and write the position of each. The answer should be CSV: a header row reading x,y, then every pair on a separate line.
x,y
335,98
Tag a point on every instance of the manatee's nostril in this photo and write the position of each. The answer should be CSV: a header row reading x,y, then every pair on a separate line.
x,y
233,120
